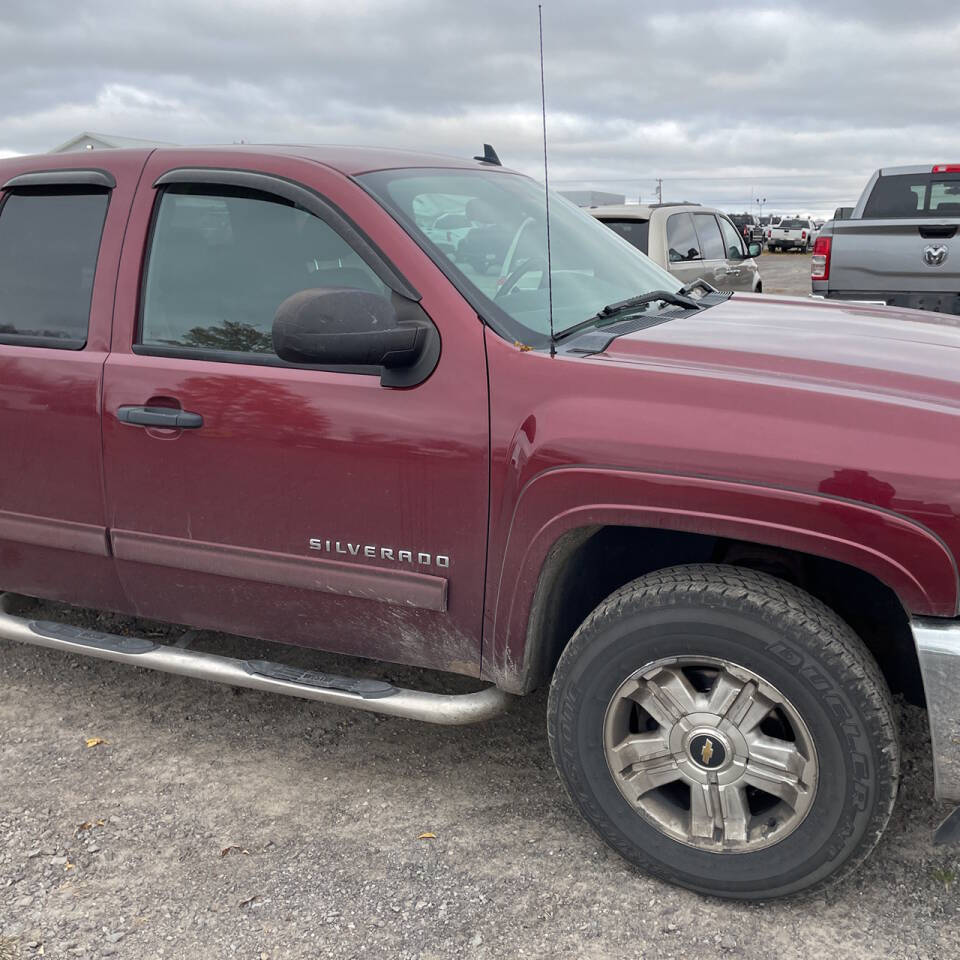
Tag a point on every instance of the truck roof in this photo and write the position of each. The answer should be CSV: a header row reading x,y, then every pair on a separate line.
x,y
349,160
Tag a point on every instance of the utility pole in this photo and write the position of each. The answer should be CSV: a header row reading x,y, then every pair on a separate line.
x,y
659,190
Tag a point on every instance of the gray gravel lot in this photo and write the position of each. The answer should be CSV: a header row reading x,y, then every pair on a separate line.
x,y
214,822
787,273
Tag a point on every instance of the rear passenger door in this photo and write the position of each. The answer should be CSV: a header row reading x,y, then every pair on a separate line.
x,y
304,504
713,250
61,230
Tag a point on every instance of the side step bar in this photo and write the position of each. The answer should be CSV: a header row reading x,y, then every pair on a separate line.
x,y
373,695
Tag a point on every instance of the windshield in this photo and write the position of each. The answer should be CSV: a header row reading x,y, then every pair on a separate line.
x,y
793,224
499,261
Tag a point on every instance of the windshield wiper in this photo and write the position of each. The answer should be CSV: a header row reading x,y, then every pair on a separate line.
x,y
622,308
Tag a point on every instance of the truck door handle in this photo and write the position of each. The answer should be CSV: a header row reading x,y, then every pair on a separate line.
x,y
160,417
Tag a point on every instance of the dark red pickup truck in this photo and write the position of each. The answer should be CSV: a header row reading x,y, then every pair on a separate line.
x,y
263,390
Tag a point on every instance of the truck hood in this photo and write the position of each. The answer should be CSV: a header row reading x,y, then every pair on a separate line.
x,y
808,343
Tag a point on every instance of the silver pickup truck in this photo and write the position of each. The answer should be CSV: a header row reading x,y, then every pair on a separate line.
x,y
896,246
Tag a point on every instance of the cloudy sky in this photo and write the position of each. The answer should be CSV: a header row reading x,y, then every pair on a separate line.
x,y
795,102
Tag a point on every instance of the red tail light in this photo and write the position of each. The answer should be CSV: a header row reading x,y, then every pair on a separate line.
x,y
820,262
947,168
803,234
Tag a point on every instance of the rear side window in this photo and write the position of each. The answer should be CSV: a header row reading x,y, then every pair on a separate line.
x,y
635,231
682,242
222,259
49,243
913,195
711,243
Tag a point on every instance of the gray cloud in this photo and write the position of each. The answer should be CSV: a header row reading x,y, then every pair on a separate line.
x,y
797,102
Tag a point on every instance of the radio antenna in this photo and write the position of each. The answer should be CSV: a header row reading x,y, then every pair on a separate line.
x,y
546,185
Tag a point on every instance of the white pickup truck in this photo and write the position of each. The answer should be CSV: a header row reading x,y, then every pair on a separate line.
x,y
895,246
791,234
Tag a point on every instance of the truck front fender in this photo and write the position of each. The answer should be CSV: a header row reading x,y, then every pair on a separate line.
x,y
552,507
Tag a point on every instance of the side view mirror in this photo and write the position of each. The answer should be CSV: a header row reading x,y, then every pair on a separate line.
x,y
754,249
337,326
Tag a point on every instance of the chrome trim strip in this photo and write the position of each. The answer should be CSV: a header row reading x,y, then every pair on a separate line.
x,y
50,532
448,709
938,649
403,587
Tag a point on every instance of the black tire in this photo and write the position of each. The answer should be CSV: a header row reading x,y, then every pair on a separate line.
x,y
793,642
771,248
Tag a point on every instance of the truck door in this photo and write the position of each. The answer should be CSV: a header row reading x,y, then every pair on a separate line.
x,y
61,229
310,506
713,249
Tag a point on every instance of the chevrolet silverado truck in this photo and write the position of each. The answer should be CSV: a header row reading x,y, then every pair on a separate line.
x,y
894,247
244,389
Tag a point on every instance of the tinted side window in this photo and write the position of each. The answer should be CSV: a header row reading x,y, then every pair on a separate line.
x,y
711,243
682,242
49,243
223,259
731,239
636,231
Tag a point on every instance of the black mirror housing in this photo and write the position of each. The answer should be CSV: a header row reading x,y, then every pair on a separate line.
x,y
340,326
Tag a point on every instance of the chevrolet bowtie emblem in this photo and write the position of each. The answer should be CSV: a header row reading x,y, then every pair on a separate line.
x,y
706,753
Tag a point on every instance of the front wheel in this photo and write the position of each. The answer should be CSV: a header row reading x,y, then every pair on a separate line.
x,y
725,731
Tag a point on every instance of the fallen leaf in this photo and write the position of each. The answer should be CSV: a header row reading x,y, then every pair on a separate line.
x,y
86,825
70,866
94,741
427,836
249,901
233,846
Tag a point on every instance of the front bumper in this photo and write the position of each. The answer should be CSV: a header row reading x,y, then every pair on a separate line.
x,y
938,647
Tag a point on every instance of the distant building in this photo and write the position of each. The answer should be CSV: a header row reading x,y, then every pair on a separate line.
x,y
592,198
104,141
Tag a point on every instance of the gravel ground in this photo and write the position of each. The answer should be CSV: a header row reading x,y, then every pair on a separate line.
x,y
785,273
214,822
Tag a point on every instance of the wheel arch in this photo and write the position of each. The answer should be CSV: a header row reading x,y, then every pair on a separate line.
x,y
560,563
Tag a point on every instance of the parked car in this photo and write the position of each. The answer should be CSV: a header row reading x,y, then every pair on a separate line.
x,y
691,241
792,233
895,246
749,227
243,389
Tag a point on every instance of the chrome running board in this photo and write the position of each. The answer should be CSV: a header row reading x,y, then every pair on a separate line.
x,y
361,694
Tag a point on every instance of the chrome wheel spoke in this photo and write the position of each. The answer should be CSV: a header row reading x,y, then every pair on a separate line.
x,y
640,748
734,812
774,781
650,774
725,690
777,754
719,808
750,707
667,697
704,812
